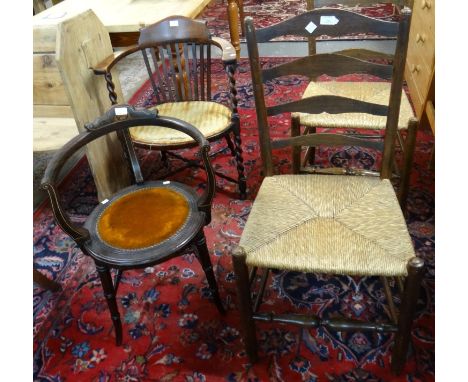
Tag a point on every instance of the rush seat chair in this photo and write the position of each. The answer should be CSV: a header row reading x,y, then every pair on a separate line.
x,y
337,223
177,53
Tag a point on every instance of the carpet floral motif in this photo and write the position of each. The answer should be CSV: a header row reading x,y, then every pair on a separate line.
x,y
266,13
172,330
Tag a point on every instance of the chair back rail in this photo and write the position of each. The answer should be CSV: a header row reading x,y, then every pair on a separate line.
x,y
332,64
335,65
328,21
328,104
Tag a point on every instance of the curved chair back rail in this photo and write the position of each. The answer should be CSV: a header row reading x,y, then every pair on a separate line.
x,y
119,119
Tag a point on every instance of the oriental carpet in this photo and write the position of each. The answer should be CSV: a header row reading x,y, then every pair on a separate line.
x,y
173,332
267,12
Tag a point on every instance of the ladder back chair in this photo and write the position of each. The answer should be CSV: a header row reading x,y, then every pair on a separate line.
x,y
377,92
177,54
144,224
323,223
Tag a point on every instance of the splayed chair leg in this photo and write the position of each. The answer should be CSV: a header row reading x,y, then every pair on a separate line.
x,y
245,303
204,258
408,307
109,293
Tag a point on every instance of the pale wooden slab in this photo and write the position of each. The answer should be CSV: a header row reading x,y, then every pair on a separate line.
x,y
117,16
83,42
52,133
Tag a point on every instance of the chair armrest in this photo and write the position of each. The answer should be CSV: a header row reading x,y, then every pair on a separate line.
x,y
106,65
228,51
79,234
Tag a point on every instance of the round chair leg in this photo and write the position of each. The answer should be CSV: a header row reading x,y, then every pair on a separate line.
x,y
109,293
245,303
407,310
204,258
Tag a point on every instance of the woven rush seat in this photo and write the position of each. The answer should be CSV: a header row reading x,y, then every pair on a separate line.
x,y
210,118
373,92
296,223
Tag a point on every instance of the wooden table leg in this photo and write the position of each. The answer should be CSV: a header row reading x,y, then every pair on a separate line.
x,y
44,282
233,15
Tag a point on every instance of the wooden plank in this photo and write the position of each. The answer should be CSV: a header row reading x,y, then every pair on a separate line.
x,y
118,16
47,82
52,133
52,111
83,42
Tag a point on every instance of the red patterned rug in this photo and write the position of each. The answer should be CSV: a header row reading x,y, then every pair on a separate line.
x,y
173,332
267,12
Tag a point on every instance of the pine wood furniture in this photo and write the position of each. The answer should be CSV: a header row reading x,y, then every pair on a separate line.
x,y
420,62
177,55
322,223
145,223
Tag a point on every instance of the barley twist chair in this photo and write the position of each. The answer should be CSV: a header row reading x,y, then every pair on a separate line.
x,y
144,224
333,223
177,54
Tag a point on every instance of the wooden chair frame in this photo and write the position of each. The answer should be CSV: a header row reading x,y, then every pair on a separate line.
x,y
180,42
107,258
399,324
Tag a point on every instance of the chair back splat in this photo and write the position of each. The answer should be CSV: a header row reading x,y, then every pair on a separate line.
x,y
146,223
331,223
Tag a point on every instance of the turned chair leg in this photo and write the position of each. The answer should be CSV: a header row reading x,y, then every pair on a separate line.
x,y
240,161
109,293
204,258
245,304
407,309
410,143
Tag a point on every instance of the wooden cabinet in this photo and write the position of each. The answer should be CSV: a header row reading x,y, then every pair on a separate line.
x,y
420,60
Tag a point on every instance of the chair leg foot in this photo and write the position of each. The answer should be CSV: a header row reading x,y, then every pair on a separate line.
x,y
408,307
204,258
109,293
245,304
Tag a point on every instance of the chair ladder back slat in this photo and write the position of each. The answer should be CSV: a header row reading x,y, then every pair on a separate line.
x,y
166,71
328,104
172,56
195,69
156,92
328,139
395,94
162,85
328,21
332,64
257,83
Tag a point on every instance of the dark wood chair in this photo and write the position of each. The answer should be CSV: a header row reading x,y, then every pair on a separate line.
x,y
324,223
177,54
146,223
